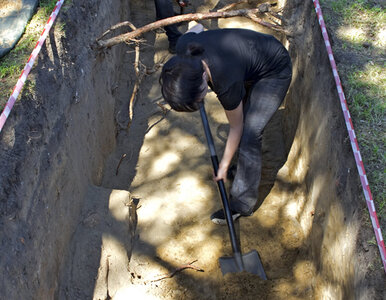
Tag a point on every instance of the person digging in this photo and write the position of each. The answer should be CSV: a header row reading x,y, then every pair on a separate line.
x,y
250,73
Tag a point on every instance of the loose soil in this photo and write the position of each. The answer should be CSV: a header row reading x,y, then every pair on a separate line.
x,y
95,207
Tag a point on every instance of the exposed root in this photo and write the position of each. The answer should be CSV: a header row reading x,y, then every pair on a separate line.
x,y
120,161
164,112
179,269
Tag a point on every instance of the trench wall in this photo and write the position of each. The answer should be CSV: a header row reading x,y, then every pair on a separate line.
x,y
54,145
327,197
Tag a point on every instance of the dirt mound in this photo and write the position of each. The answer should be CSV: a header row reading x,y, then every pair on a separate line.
x,y
94,208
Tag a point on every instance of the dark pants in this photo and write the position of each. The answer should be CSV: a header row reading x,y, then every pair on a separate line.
x,y
164,9
264,98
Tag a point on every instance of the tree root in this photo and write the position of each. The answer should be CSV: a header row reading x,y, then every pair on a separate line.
x,y
179,269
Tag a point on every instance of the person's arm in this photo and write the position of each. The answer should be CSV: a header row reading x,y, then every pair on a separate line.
x,y
236,125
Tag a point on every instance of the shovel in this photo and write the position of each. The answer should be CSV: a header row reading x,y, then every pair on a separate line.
x,y
249,262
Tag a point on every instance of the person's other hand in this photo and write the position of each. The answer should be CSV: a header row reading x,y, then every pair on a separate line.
x,y
183,3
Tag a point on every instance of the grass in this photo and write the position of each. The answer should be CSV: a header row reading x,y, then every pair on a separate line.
x,y
358,31
12,64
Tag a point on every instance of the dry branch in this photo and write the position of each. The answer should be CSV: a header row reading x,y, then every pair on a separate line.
x,y
130,36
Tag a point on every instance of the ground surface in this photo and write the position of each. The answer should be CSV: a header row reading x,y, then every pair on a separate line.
x,y
121,245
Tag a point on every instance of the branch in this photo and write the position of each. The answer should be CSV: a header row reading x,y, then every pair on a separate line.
x,y
130,36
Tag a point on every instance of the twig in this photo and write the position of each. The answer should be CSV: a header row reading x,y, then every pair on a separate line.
x,y
179,269
261,22
116,26
273,21
120,161
276,15
139,76
129,36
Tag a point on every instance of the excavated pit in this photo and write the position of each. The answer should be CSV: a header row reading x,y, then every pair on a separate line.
x,y
93,210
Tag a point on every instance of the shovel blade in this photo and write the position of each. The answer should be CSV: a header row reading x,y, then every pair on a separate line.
x,y
249,262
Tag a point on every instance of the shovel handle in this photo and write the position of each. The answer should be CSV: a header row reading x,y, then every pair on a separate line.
x,y
220,183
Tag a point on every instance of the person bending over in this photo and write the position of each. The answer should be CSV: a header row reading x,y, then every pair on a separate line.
x,y
250,72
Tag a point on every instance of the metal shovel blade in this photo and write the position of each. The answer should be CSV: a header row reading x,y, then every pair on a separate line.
x,y
249,262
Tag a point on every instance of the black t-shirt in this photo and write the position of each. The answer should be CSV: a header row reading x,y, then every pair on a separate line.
x,y
237,56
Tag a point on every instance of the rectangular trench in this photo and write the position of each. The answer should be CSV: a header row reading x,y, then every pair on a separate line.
x,y
68,217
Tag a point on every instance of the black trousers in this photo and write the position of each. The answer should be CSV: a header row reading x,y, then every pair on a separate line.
x,y
264,98
164,9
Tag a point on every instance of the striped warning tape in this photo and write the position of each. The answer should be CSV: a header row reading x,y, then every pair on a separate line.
x,y
353,139
23,77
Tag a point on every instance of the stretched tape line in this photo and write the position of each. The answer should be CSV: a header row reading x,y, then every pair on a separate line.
x,y
23,77
353,139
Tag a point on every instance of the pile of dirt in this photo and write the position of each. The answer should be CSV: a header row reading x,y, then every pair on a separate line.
x,y
93,206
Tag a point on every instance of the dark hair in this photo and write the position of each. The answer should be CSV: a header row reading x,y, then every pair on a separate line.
x,y
182,81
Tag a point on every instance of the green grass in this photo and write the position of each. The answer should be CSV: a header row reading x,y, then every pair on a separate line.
x,y
359,28
13,63
47,6
367,93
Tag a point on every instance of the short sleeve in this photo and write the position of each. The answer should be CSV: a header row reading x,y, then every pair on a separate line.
x,y
183,41
232,97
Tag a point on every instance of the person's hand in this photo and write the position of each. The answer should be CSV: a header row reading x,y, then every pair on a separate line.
x,y
183,3
221,173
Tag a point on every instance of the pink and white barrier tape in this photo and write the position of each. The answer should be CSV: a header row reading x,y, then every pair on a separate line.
x,y
353,139
20,83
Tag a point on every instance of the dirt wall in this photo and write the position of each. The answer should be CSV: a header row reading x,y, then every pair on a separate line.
x,y
329,202
53,147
